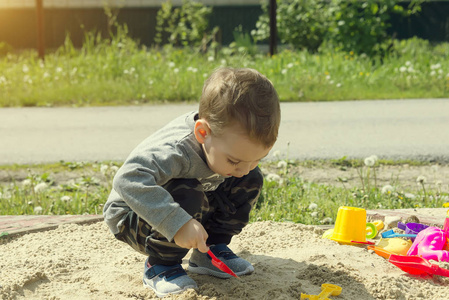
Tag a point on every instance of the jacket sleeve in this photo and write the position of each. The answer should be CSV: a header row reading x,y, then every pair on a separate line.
x,y
139,180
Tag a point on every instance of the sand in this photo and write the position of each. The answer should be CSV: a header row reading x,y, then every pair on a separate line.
x,y
86,262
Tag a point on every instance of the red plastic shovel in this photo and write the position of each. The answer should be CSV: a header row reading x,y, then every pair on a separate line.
x,y
221,265
417,265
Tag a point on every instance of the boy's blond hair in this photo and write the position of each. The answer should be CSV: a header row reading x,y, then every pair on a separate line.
x,y
244,96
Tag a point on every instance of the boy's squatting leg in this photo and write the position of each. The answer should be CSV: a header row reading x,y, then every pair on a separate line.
x,y
223,213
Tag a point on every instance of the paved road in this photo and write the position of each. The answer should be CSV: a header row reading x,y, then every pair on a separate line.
x,y
396,129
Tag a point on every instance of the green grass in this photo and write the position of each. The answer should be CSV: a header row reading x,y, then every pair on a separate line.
x,y
83,188
120,72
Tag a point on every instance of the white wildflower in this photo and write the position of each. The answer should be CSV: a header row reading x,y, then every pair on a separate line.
x,y
46,75
104,169
433,73
408,63
176,70
331,82
40,187
210,58
26,183
25,69
171,64
282,164
327,220
328,77
290,65
421,179
387,189
284,71
113,169
338,85
223,62
313,206
438,183
370,161
66,199
435,66
277,153
410,196
58,69
402,69
150,82
410,69
205,75
38,210
5,195
273,177
314,214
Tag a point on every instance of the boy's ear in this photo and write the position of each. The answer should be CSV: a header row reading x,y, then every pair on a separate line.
x,y
201,130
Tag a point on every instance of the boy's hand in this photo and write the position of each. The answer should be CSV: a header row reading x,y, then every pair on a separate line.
x,y
192,235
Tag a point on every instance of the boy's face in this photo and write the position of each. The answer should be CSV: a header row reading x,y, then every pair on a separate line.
x,y
232,153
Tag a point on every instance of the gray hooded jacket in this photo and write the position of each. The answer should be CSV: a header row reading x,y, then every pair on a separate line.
x,y
171,152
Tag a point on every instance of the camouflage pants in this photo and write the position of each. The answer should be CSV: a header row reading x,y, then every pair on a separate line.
x,y
223,213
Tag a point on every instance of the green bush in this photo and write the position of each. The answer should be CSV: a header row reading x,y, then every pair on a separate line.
x,y
347,25
185,25
361,26
300,23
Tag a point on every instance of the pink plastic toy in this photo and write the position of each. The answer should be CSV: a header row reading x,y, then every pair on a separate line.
x,y
429,244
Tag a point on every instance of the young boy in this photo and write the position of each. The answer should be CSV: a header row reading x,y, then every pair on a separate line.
x,y
193,183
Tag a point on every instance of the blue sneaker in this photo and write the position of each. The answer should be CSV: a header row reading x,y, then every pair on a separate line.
x,y
200,263
165,280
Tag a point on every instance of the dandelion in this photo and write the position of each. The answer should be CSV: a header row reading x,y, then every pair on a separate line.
x,y
438,183
26,183
66,199
223,62
331,82
273,177
408,63
313,206
58,69
210,58
387,189
46,75
150,82
410,196
326,220
113,169
338,85
284,71
435,66
277,153
314,214
38,210
40,187
328,77
25,69
282,164
176,70
104,169
205,75
421,179
5,195
171,64
402,69
290,65
433,73
369,161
